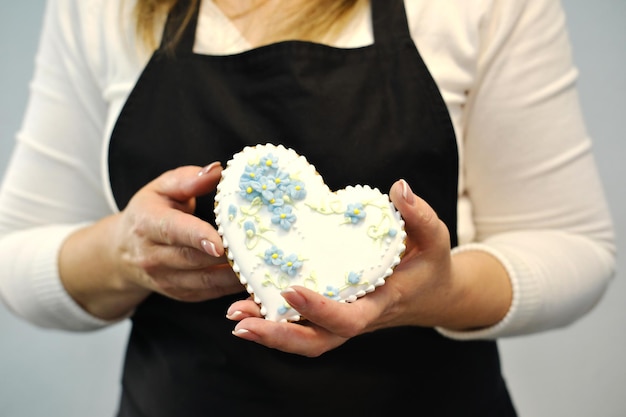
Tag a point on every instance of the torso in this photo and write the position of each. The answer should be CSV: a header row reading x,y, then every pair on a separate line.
x,y
370,116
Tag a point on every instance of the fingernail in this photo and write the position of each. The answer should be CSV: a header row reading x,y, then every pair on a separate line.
x,y
234,315
246,335
209,247
293,297
208,168
407,193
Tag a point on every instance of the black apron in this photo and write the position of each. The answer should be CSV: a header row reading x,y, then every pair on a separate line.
x,y
367,115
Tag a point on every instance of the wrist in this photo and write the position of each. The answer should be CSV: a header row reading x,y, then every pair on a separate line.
x,y
89,270
482,293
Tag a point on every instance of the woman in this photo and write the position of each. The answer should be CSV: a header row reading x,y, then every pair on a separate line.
x,y
467,113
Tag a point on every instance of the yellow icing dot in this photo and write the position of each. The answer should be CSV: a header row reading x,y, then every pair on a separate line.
x,y
268,163
277,180
264,187
272,201
274,256
283,216
298,188
249,190
356,211
252,175
289,263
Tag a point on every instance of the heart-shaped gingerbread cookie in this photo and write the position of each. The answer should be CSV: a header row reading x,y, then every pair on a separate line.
x,y
282,226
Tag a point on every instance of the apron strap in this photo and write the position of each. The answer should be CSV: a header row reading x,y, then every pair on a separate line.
x,y
389,21
175,19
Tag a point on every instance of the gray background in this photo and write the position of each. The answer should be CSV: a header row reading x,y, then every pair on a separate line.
x,y
579,371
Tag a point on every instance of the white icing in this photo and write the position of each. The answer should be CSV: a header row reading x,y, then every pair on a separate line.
x,y
322,247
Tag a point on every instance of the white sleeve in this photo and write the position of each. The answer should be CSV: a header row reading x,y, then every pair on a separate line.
x,y
538,204
53,183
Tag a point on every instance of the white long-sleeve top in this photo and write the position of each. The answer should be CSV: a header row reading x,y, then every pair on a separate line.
x,y
529,192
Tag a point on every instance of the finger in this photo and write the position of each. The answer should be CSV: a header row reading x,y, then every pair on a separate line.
x,y
242,309
192,296
341,318
177,228
219,280
422,224
161,258
184,183
306,340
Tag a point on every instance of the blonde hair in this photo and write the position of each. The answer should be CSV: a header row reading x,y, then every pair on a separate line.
x,y
314,20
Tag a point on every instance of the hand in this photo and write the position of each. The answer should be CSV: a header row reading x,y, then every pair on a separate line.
x,y
426,289
154,244
163,247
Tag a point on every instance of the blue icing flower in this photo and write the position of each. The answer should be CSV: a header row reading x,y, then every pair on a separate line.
x,y
332,292
283,217
265,188
291,264
251,173
249,228
263,184
355,213
248,190
269,198
274,256
284,309
276,200
354,278
268,163
296,190
232,212
281,178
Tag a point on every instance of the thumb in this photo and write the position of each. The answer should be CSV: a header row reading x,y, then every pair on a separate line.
x,y
422,225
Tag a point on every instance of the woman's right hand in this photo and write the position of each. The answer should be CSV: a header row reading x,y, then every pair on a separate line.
x,y
155,244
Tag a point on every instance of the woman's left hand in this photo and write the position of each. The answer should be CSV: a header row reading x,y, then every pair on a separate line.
x,y
424,290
